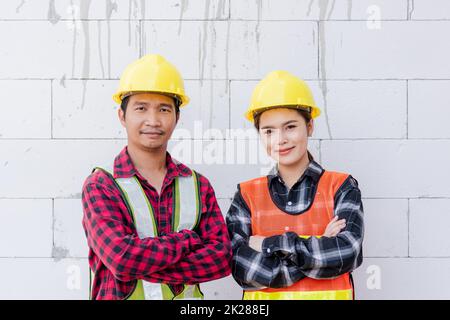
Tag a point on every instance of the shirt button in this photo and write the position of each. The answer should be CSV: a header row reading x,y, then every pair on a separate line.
x,y
286,228
268,250
290,203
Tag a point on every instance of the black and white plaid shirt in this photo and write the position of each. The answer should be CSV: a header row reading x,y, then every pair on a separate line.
x,y
287,258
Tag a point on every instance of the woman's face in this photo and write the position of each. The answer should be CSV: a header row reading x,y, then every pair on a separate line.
x,y
284,133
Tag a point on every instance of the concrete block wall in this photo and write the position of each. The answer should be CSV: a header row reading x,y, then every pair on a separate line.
x,y
379,69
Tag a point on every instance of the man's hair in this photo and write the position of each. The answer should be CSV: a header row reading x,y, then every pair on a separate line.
x,y
125,100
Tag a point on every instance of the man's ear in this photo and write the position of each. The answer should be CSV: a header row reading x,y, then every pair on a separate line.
x,y
121,116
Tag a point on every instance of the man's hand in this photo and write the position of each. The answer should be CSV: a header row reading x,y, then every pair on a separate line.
x,y
334,227
255,242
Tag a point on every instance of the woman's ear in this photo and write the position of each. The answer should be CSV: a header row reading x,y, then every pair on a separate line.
x,y
310,127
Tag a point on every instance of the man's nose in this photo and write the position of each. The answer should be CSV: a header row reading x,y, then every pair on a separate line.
x,y
152,118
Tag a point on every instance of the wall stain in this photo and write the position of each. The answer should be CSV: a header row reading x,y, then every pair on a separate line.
x,y
62,82
220,9
74,42
110,8
258,21
226,56
184,6
84,14
143,45
211,85
323,9
132,11
309,7
349,9
52,15
410,8
99,38
20,6
204,39
59,253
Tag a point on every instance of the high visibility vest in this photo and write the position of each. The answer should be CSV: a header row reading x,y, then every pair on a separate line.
x,y
186,215
268,220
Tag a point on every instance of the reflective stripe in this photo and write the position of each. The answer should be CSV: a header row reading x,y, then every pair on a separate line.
x,y
152,291
142,210
187,203
299,295
190,292
145,226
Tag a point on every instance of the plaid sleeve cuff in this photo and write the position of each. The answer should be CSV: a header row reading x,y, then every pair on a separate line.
x,y
283,246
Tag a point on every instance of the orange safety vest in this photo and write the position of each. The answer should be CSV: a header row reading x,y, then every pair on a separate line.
x,y
268,220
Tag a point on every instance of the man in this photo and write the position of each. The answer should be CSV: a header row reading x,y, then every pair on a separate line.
x,y
153,226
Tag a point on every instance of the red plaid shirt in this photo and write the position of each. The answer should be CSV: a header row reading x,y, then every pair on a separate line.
x,y
118,257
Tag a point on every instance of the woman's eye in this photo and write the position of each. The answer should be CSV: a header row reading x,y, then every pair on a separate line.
x,y
139,108
165,109
268,132
291,127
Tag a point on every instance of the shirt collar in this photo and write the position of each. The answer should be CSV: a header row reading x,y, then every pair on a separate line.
x,y
124,167
314,170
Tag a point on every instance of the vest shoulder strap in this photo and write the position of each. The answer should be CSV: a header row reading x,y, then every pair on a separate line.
x,y
251,185
187,202
107,168
333,180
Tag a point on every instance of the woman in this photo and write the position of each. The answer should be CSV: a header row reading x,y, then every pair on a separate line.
x,y
296,233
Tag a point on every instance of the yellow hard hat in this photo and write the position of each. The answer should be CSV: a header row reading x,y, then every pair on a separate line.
x,y
151,73
281,88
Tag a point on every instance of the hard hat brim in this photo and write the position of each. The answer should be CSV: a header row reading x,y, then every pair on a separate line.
x,y
314,110
118,97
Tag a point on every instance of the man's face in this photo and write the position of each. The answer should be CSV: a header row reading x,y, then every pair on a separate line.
x,y
150,119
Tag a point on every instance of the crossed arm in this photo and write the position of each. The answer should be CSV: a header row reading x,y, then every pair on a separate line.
x,y
185,257
291,258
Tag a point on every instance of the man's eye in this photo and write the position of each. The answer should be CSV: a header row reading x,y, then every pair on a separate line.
x,y
139,108
291,127
268,132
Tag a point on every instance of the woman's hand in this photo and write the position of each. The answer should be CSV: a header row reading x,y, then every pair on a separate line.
x,y
255,242
334,227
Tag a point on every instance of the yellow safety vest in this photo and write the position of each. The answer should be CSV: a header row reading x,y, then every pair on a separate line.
x,y
186,215
268,220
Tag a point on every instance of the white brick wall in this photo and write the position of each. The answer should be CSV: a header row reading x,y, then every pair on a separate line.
x,y
402,278
33,112
27,230
379,70
429,221
430,10
429,98
397,50
386,228
316,10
